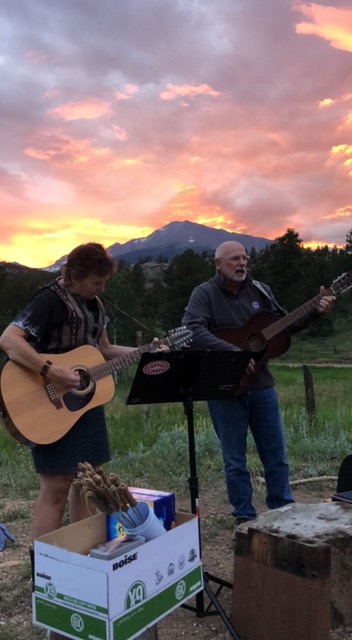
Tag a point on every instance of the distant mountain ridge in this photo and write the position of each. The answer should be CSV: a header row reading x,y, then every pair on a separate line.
x,y
168,242
173,239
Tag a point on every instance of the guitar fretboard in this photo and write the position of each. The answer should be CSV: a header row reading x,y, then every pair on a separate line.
x,y
286,321
121,362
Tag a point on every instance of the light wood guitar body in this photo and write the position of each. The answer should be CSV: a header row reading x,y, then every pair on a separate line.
x,y
36,411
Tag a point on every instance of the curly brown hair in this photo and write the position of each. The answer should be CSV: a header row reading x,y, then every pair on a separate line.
x,y
86,259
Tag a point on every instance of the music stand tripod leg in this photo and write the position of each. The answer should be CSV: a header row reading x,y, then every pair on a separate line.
x,y
220,610
194,492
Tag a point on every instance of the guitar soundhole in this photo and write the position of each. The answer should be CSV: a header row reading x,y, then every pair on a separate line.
x,y
80,397
85,381
256,342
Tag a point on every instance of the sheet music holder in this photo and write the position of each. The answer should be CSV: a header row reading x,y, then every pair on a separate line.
x,y
178,376
187,376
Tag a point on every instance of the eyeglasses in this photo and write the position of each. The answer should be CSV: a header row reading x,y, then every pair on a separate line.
x,y
236,258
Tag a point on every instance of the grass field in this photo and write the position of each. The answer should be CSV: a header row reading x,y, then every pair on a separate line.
x,y
150,442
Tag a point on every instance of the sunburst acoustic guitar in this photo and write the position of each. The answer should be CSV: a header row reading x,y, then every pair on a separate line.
x,y
36,411
266,336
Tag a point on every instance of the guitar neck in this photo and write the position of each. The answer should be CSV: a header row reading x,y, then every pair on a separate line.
x,y
176,338
290,318
117,364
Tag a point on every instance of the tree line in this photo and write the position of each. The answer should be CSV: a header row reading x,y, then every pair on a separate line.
x,y
139,311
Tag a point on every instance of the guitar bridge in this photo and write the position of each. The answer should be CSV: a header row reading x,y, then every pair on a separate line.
x,y
256,342
52,395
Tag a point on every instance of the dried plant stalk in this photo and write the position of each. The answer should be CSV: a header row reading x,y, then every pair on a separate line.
x,y
106,491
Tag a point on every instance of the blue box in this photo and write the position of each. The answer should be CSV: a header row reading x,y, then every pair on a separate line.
x,y
162,502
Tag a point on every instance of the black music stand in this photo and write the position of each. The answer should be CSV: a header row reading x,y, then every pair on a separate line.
x,y
187,376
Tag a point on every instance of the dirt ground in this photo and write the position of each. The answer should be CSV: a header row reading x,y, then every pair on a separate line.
x,y
217,555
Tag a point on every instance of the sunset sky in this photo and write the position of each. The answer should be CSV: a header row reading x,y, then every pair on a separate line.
x,y
120,116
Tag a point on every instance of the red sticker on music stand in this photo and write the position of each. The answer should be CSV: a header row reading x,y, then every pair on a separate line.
x,y
156,368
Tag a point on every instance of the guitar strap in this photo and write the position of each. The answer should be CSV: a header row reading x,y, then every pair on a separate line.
x,y
80,319
62,293
272,300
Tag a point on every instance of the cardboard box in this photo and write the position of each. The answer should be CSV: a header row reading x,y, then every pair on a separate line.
x,y
88,598
162,502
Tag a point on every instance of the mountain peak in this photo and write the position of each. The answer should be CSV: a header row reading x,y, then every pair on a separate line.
x,y
175,238
178,236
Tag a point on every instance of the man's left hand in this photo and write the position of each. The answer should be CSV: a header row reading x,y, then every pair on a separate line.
x,y
158,345
325,303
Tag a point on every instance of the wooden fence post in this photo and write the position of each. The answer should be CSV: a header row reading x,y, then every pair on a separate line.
x,y
310,395
145,408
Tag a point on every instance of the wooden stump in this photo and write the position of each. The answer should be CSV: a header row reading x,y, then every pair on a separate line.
x,y
292,569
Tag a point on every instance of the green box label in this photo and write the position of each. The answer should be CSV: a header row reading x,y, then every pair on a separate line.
x,y
142,612
152,610
65,620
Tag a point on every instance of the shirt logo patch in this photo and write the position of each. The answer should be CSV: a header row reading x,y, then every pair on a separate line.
x,y
255,304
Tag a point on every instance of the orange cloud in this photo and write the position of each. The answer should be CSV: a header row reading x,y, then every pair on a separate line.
x,y
189,203
315,244
176,90
330,23
326,103
119,163
38,243
65,150
85,110
343,151
343,212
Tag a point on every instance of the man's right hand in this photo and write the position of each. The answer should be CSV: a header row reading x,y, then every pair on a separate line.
x,y
250,369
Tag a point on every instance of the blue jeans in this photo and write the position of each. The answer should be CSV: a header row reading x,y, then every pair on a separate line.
x,y
257,409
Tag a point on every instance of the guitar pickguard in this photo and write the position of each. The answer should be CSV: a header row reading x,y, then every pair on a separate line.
x,y
77,401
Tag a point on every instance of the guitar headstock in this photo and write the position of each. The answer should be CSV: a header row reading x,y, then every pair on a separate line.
x,y
180,337
342,284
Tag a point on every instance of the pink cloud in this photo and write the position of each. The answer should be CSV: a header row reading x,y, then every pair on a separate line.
x,y
83,110
120,134
127,93
176,90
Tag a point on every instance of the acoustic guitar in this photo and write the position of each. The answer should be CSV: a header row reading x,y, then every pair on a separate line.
x,y
35,411
266,336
